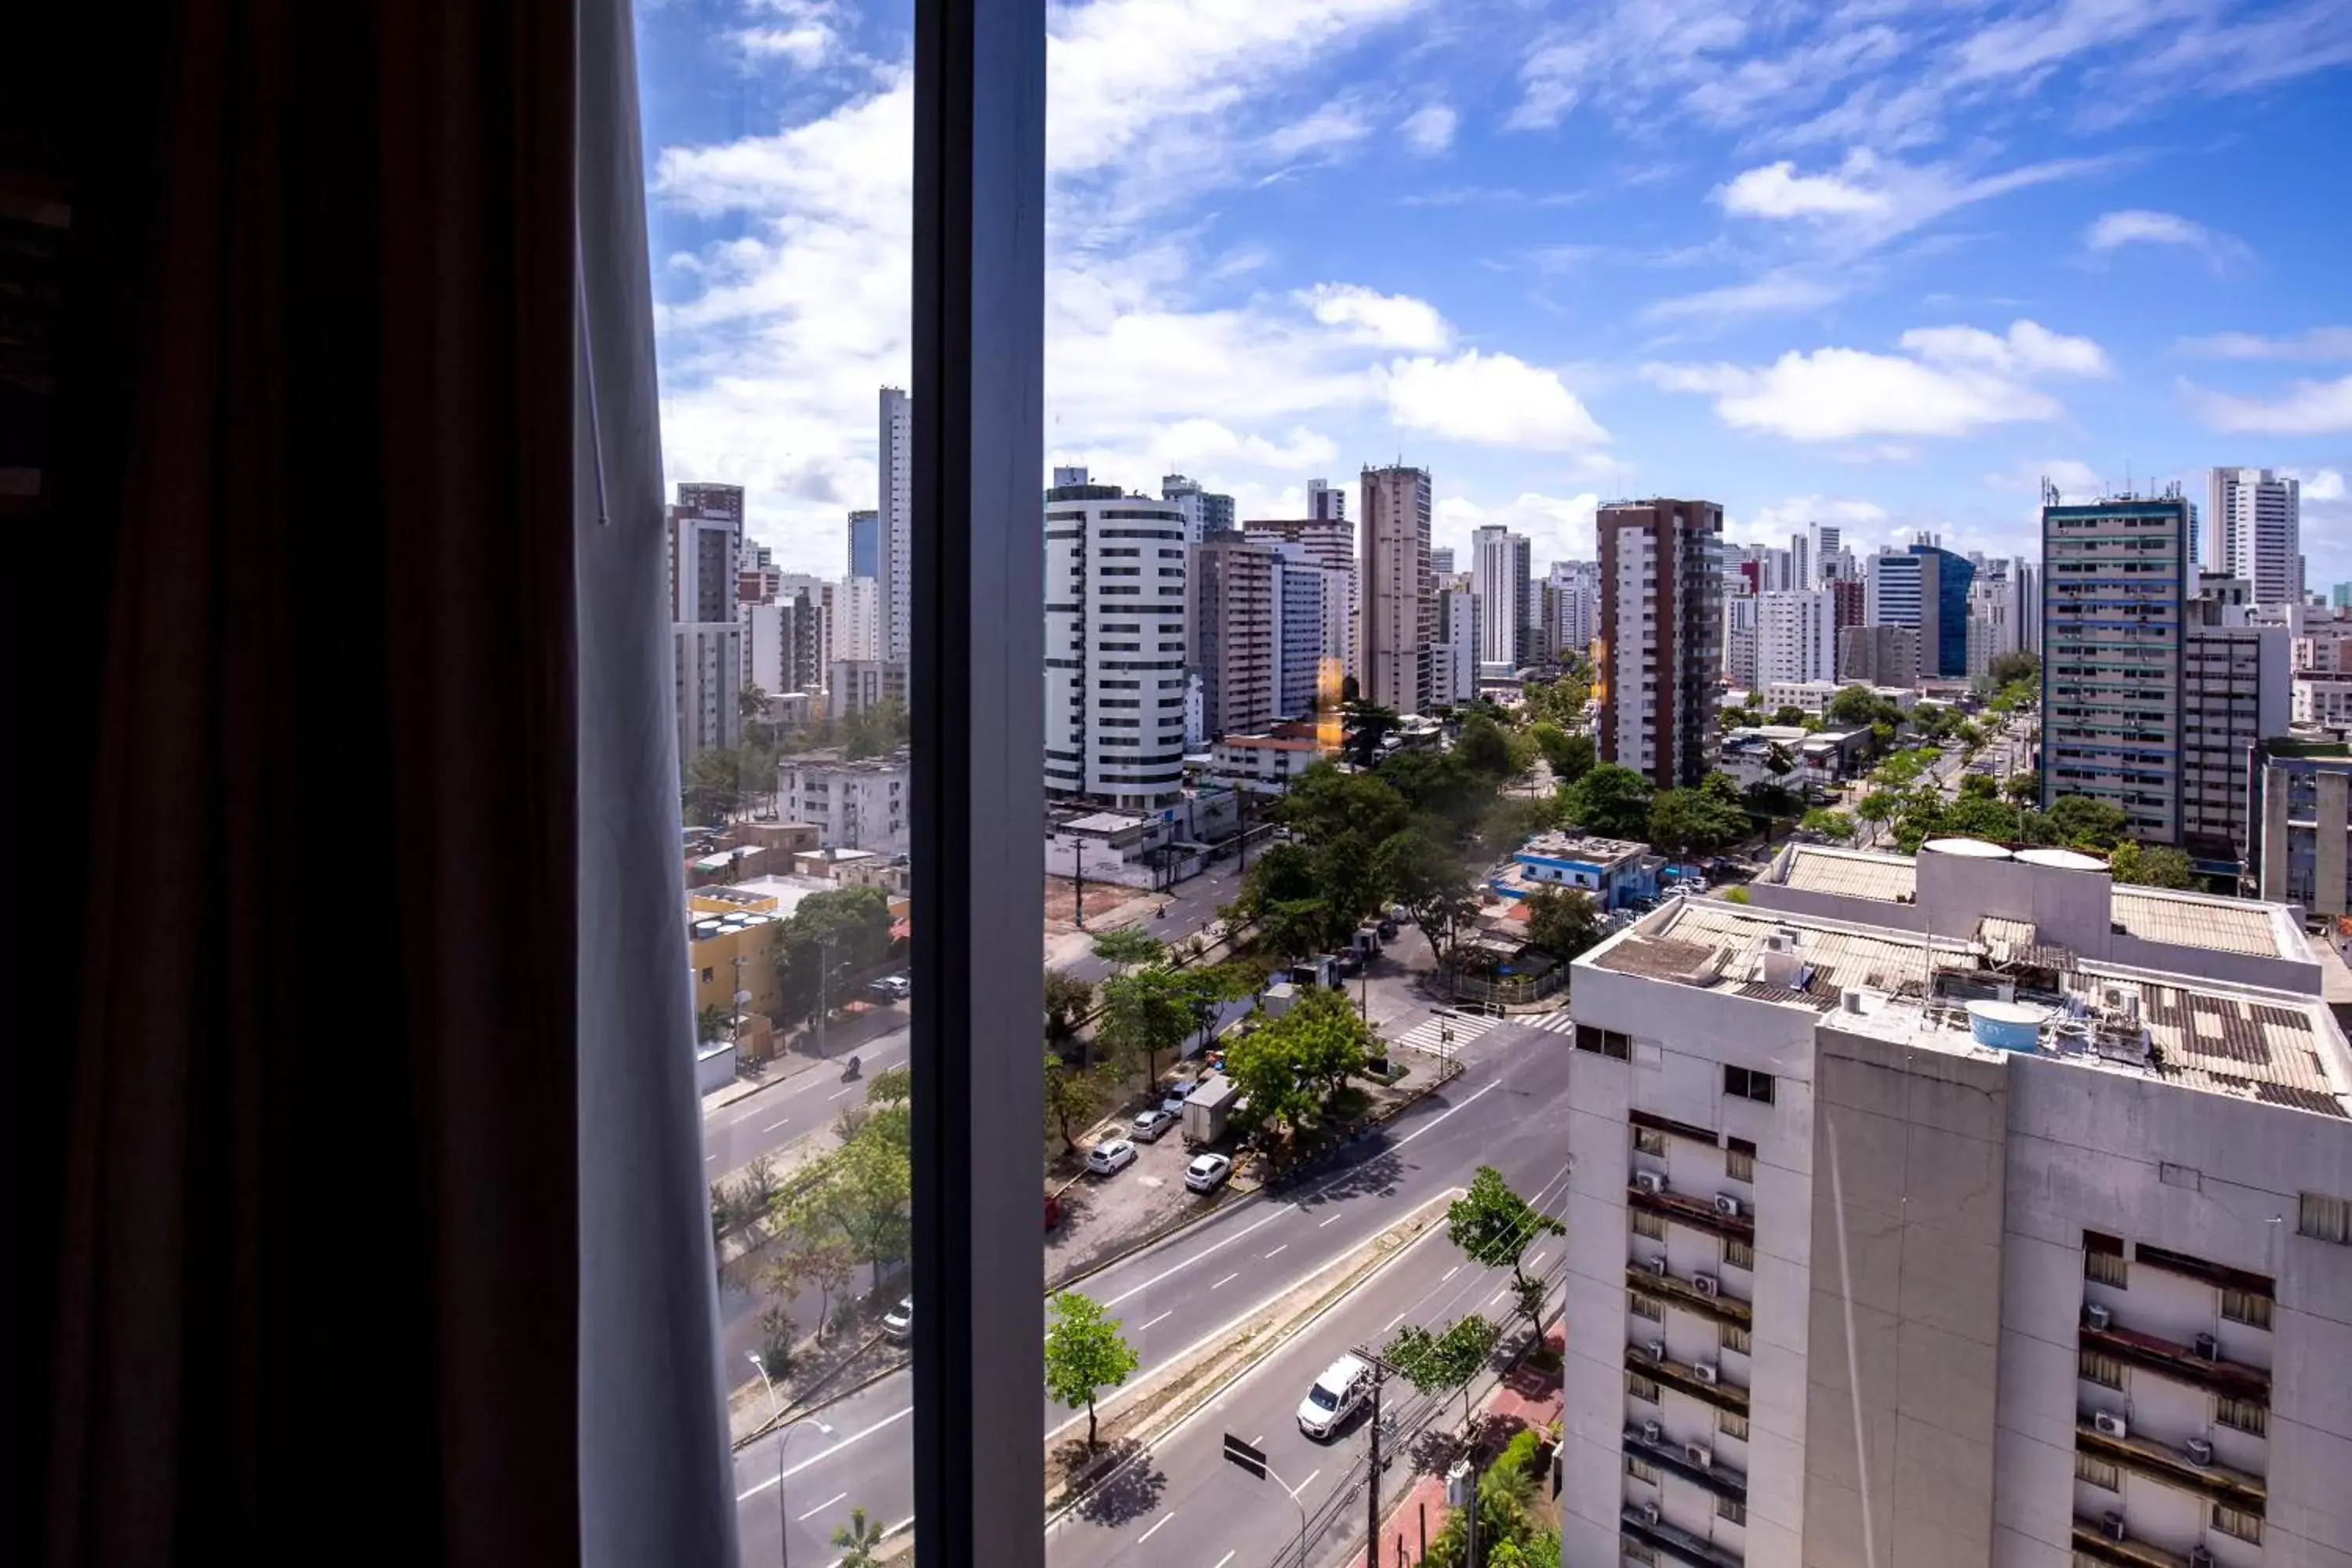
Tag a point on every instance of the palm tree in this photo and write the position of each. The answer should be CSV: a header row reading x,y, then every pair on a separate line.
x,y
859,1542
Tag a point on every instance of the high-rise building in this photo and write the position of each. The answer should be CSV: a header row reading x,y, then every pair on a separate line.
x,y
1968,1209
1500,567
2340,596
1801,563
858,618
1661,649
2253,529
1576,593
2300,824
706,545
708,666
1332,542
1848,597
895,542
1879,655
1397,615
1740,667
1796,636
2116,587
1116,646
788,643
1925,588
1326,503
866,544
1236,632
1206,512
1311,599
1827,551
2237,687
1454,668
1441,563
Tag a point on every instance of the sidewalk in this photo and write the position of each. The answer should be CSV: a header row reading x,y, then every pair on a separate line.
x,y
1529,1397
841,1035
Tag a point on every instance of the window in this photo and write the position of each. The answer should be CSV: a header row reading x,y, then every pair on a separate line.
x,y
2103,1370
1640,1388
2328,1218
2103,1260
2099,1472
2244,1526
2244,1414
1735,1338
1603,1042
2249,1307
1650,1224
1740,1165
1746,1084
1649,1141
1641,1470
1730,1511
1639,1555
1731,1426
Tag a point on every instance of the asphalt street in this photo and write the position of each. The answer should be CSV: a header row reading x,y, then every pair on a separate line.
x,y
1191,906
1507,1108
804,1103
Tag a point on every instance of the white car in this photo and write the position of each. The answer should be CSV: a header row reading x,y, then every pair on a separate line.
x,y
898,1322
1344,1383
1207,1171
1173,1099
1110,1156
1149,1125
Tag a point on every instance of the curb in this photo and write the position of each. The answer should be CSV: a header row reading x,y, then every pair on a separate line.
x,y
796,1412
1148,1242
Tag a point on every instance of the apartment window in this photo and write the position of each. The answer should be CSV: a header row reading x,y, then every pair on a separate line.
x,y
1648,1307
2102,1260
2249,1307
1639,1555
1603,1042
1735,1338
2328,1218
2103,1370
1649,1141
1738,1255
1650,1224
1740,1165
1730,1512
1641,1470
1746,1084
1731,1426
2244,1526
1640,1388
2244,1414
2099,1472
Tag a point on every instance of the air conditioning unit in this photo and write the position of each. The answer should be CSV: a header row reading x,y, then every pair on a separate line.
x,y
2097,1317
2209,1346
1650,1182
2200,1451
1726,1206
2111,1525
1649,1513
1704,1371
1657,1349
1656,1265
2111,1425
1699,1454
1704,1284
1652,1432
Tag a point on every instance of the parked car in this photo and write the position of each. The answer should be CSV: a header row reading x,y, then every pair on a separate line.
x,y
1172,1097
1110,1156
1207,1173
1388,930
1148,1127
1344,1385
898,1322
896,988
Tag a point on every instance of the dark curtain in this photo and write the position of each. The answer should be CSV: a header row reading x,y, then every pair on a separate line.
x,y
302,1214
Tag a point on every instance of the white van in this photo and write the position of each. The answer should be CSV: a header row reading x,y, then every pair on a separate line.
x,y
1344,1383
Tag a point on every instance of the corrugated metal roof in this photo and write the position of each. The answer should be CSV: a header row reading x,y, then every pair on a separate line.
x,y
1889,878
2156,916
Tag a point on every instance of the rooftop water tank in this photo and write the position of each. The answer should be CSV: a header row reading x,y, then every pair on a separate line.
x,y
2062,859
1973,848
2006,1026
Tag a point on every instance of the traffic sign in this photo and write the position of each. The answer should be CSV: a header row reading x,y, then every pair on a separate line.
x,y
1248,1458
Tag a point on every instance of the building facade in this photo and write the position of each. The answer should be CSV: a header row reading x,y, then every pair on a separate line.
x,y
1397,620
2115,590
2253,529
1116,646
1236,633
854,685
2236,691
707,662
866,544
1740,640
894,526
1879,655
2300,824
1796,636
1659,674
1576,595
1325,502
786,641
1454,666
1206,512
1925,588
1330,542
859,805
1501,569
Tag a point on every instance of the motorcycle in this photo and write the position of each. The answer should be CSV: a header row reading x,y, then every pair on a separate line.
x,y
850,1070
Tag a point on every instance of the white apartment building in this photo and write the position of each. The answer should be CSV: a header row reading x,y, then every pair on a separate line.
x,y
1500,568
1576,590
707,655
1740,640
854,685
707,665
1814,697
1327,540
853,804
1325,502
2253,529
1263,764
1961,1210
1796,636
1116,646
1236,629
857,629
893,459
786,643
1454,665
1396,619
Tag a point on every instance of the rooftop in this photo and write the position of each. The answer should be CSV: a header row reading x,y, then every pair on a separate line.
x,y
1853,874
1582,846
2274,1047
1268,743
2187,920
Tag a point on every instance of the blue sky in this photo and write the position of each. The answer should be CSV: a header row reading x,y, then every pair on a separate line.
x,y
1885,263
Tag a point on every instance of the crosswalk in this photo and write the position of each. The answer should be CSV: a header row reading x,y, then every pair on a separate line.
x,y
1557,1023
1442,1034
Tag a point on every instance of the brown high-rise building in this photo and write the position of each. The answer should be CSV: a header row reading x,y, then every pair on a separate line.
x,y
1396,619
1660,637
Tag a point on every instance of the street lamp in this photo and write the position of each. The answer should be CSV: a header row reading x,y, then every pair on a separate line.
x,y
783,1432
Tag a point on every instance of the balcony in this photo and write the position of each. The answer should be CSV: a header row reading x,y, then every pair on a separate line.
x,y
2091,1542
1699,1212
1669,1455
1677,1542
2168,1358
1683,1378
2173,1467
1685,1293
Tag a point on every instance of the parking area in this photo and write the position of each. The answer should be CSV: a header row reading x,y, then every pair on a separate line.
x,y
1103,1214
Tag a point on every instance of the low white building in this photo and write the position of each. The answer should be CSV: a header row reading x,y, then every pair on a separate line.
x,y
1814,697
1264,765
1967,1209
858,805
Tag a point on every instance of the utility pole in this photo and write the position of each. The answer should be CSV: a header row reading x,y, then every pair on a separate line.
x,y
1381,1372
1079,874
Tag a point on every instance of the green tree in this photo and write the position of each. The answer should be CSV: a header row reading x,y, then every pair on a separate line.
x,y
1144,1012
1979,786
1436,1365
750,702
1482,748
1613,801
1124,950
1437,787
1573,759
860,1193
1697,822
1562,921
2087,824
810,1256
2151,866
1085,1355
714,784
2022,788
1430,882
1070,1097
1494,1226
1366,724
1857,707
1067,999
859,1542
891,1086
1833,824
1790,716
1324,802
1291,1067
710,1023
2023,667
1879,808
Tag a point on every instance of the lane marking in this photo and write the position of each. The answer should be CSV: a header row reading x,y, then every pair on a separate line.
x,y
1333,1220
837,1093
1536,1259
822,1507
713,1160
821,1454
1284,1247
772,1126
1305,1484
1498,1295
1450,1110
1160,1319
1229,1556
1179,1267
1449,1273
1155,1529
1225,1281
1391,1323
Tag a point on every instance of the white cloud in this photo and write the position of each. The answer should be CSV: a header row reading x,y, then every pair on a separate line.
x,y
2020,45
1778,520
2320,484
2029,347
1778,191
1774,293
805,32
1431,130
1391,320
2309,408
2070,475
1868,199
1491,398
2319,342
1557,528
1625,53
2138,226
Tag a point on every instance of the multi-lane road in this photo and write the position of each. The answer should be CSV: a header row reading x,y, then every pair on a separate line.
x,y
1173,1504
